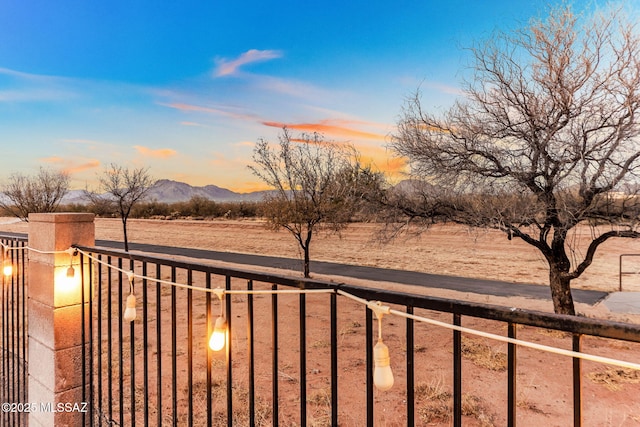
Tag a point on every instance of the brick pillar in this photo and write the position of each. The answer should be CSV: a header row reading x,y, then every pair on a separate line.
x,y
55,318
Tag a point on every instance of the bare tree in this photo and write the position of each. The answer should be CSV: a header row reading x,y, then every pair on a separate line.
x,y
40,193
122,188
546,140
315,186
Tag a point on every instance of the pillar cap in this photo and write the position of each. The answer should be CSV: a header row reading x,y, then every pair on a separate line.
x,y
61,217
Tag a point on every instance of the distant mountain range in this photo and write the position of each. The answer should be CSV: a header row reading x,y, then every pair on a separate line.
x,y
168,191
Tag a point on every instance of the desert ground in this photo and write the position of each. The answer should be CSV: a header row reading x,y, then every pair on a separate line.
x,y
544,380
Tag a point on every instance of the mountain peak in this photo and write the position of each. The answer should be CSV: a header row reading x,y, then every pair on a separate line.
x,y
170,191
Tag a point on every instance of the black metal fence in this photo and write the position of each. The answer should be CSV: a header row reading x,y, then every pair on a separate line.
x,y
14,363
318,369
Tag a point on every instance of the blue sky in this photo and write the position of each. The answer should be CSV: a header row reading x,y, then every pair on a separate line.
x,y
187,88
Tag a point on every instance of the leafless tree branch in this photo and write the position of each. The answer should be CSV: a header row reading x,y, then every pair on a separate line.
x,y
546,138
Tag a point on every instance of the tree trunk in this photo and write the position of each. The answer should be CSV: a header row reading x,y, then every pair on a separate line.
x,y
561,292
305,246
124,229
306,262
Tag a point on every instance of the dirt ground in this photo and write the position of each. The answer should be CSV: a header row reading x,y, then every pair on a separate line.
x,y
544,380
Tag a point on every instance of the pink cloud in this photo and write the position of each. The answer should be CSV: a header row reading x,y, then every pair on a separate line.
x,y
69,166
374,154
160,153
91,164
53,159
326,126
230,67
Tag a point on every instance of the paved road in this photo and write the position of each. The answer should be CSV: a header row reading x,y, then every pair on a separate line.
x,y
478,286
461,284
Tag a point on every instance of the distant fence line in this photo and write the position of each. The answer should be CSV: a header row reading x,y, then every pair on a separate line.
x,y
623,272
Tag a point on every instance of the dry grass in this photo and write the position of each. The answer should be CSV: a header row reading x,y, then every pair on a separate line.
x,y
320,408
484,355
552,333
613,378
433,402
476,407
262,409
529,406
525,393
434,405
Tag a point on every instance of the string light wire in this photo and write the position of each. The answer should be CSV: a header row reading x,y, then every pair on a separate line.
x,y
216,291
71,250
509,340
376,306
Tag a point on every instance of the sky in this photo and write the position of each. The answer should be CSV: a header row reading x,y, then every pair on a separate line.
x,y
187,88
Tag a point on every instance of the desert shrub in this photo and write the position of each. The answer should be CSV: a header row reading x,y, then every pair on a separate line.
x,y
196,207
102,208
202,207
73,207
151,209
239,209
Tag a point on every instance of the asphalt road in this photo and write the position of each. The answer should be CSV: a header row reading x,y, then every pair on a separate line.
x,y
461,284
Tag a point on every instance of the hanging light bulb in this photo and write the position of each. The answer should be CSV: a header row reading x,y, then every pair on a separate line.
x,y
66,284
382,375
7,266
130,310
219,335
71,272
66,281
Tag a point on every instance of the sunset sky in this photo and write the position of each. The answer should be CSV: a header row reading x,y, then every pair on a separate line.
x,y
186,88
